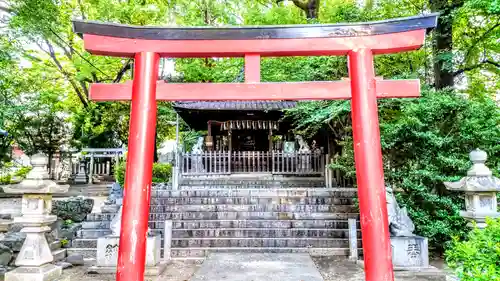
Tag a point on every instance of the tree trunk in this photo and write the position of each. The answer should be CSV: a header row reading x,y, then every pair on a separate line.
x,y
310,7
443,42
49,165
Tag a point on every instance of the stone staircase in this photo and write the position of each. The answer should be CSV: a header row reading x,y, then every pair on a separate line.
x,y
250,215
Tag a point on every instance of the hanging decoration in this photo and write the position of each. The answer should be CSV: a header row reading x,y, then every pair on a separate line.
x,y
249,125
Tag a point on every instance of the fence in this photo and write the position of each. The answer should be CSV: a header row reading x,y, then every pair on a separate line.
x,y
98,161
275,162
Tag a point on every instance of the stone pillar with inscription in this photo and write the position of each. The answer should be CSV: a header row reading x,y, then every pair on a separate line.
x,y
35,255
107,251
481,188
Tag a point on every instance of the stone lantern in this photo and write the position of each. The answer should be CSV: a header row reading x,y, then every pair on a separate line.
x,y
35,255
480,188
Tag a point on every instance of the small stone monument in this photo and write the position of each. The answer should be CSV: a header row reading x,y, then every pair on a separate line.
x,y
107,251
481,188
81,176
35,255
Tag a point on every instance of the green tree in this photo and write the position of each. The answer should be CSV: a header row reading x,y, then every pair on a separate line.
x,y
47,25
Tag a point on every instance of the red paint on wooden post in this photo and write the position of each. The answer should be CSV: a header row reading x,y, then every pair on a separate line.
x,y
134,226
326,90
370,173
252,68
337,46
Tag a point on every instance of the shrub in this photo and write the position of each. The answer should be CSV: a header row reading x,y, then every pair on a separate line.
x,y
161,172
5,179
477,258
21,173
425,142
16,176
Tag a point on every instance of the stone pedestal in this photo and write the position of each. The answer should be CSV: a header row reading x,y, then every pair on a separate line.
x,y
48,272
107,256
409,252
410,259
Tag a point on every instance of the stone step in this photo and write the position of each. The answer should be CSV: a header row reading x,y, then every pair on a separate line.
x,y
255,208
233,216
200,253
251,200
219,242
201,224
261,233
233,232
87,253
59,254
92,233
55,245
82,243
87,235
251,192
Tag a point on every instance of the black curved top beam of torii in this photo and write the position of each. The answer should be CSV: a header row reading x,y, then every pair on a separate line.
x,y
256,32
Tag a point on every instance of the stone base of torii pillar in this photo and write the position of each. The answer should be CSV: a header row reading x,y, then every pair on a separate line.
x,y
35,256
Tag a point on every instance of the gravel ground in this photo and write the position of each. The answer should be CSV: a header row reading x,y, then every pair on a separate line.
x,y
340,269
332,269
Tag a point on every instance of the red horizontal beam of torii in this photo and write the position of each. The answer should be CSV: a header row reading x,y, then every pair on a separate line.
x,y
379,44
359,42
255,91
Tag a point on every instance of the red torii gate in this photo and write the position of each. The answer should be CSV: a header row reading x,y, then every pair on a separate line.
x,y
357,41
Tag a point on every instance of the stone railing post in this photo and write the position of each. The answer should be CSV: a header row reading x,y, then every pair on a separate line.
x,y
481,188
167,240
353,240
35,255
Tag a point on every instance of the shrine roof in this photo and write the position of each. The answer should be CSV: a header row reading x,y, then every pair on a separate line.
x,y
235,105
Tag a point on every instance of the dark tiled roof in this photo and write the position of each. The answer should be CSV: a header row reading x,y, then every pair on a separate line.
x,y
235,105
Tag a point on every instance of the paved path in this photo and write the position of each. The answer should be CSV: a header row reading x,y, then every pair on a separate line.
x,y
257,267
330,268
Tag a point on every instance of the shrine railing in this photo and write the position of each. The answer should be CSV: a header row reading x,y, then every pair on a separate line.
x,y
274,162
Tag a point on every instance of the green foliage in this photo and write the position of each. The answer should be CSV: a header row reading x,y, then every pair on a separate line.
x,y
425,141
478,257
119,171
64,242
18,175
22,172
7,179
161,173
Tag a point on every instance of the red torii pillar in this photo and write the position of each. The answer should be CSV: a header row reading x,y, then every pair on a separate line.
x,y
358,42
